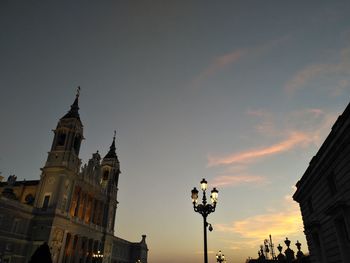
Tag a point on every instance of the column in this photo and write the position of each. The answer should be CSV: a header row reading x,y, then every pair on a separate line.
x,y
88,209
67,248
63,247
73,203
100,213
92,214
97,207
82,206
78,204
74,253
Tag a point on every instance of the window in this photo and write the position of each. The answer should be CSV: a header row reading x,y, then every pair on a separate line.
x,y
105,175
61,138
46,202
29,199
76,145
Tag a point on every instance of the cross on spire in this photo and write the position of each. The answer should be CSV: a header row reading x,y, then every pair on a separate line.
x,y
111,153
74,108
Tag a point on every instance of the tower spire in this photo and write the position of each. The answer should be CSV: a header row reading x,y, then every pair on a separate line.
x,y
111,153
74,108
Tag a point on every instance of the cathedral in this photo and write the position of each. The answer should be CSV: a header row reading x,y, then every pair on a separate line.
x,y
72,208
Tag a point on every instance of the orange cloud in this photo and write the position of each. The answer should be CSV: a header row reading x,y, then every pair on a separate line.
x,y
279,224
294,139
217,64
229,180
304,75
299,129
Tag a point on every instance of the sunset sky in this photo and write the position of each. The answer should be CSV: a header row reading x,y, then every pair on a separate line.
x,y
242,93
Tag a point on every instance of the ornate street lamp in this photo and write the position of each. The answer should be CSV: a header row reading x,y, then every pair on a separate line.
x,y
97,257
205,209
220,257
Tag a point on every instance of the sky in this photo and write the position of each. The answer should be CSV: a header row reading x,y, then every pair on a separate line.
x,y
242,93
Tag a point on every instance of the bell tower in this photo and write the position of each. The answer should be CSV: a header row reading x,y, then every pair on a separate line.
x,y
67,139
63,163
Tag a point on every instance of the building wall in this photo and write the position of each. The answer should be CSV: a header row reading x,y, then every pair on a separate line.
x,y
323,194
15,229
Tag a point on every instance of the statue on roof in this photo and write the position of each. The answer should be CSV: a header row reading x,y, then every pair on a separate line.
x,y
11,180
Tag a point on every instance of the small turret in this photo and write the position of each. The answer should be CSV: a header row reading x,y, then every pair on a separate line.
x,y
110,175
110,165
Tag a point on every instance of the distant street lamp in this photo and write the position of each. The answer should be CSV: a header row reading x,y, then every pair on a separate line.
x,y
205,209
97,257
220,257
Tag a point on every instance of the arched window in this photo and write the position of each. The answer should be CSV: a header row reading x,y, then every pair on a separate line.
x,y
61,138
105,175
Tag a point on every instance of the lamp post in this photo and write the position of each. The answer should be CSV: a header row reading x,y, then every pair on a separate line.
x,y
220,257
204,209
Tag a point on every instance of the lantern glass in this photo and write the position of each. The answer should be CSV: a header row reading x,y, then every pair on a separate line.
x,y
194,195
214,195
204,184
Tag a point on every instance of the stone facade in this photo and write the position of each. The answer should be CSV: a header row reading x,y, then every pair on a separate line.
x,y
323,194
71,207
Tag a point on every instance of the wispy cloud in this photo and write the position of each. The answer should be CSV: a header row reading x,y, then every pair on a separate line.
x,y
299,80
230,58
234,180
279,224
301,129
217,64
294,139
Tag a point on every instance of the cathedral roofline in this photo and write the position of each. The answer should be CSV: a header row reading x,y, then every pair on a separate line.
x,y
24,182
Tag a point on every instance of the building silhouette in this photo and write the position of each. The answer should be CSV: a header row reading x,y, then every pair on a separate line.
x,y
323,194
72,207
